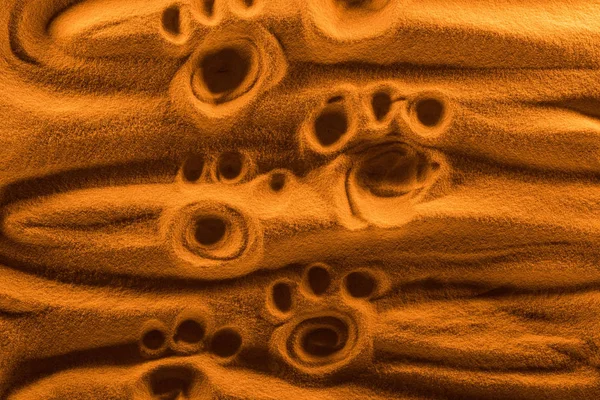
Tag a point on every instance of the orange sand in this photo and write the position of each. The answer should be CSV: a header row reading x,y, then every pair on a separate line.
x,y
300,199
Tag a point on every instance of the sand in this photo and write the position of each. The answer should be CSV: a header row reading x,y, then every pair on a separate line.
x,y
300,199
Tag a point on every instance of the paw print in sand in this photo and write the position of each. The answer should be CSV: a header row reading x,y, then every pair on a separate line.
x,y
174,375
324,321
191,333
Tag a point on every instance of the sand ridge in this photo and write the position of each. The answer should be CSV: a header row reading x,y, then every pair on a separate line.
x,y
322,199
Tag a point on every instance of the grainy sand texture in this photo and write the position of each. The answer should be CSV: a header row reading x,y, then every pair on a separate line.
x,y
300,199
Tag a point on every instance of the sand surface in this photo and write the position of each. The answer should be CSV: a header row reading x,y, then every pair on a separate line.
x,y
300,199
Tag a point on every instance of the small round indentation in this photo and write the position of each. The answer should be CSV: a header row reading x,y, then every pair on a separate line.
x,y
192,168
381,104
225,342
322,342
360,284
189,331
282,296
248,3
208,7
318,279
277,181
230,165
171,20
330,126
429,111
210,230
225,70
153,339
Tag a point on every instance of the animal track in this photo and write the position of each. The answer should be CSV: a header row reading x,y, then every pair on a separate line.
x,y
153,342
207,7
233,167
318,279
170,167
226,342
381,103
332,125
428,115
227,166
191,333
171,383
174,381
193,168
176,24
388,180
325,321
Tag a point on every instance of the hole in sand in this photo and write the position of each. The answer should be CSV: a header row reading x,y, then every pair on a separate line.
x,y
318,279
225,70
360,284
322,342
248,3
394,172
225,342
171,20
153,339
362,5
171,383
230,165
282,296
208,6
192,168
210,230
330,126
277,181
429,111
189,331
381,104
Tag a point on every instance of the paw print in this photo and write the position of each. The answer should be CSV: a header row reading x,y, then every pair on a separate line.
x,y
324,321
191,333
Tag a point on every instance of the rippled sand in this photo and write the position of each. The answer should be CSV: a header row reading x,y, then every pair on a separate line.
x,y
300,199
